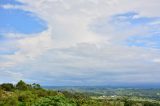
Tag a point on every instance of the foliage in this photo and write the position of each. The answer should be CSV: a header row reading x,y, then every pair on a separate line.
x,y
23,94
22,85
7,86
36,86
58,100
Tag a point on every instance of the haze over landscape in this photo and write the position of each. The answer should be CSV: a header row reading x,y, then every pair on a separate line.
x,y
80,42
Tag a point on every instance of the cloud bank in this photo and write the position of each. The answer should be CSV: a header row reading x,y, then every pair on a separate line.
x,y
88,42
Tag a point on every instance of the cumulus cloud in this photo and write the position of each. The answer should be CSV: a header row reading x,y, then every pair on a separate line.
x,y
86,42
88,64
28,48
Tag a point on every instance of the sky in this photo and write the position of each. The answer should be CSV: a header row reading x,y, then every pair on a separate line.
x,y
80,42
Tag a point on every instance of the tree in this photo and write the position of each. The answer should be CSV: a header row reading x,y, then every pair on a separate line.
x,y
7,87
36,86
21,85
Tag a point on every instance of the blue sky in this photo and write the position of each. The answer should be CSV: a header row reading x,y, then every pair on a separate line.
x,y
68,42
20,21
13,2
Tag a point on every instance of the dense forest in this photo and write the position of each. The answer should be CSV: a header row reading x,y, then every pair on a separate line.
x,y
23,94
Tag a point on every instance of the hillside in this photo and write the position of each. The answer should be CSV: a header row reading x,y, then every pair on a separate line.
x,y
22,94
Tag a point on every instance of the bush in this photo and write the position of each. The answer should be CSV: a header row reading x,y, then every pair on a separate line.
x,y
26,98
11,100
7,87
58,100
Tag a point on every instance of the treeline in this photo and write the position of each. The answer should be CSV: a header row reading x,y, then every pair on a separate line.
x,y
23,94
140,103
21,85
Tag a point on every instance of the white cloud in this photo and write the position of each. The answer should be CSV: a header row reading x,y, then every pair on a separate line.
x,y
70,47
70,19
90,64
28,48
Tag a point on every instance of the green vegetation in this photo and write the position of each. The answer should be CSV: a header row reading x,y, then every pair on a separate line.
x,y
22,94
